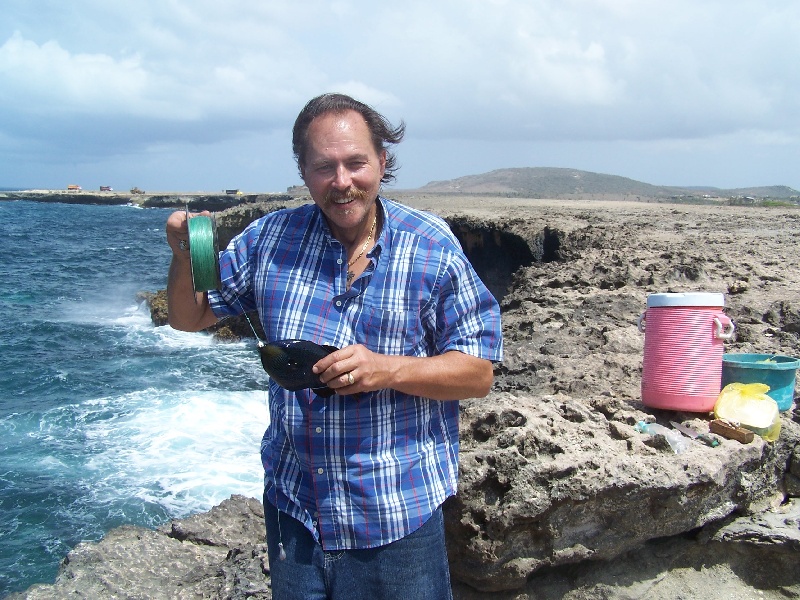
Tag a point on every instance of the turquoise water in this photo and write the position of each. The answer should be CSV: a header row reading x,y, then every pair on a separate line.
x,y
105,419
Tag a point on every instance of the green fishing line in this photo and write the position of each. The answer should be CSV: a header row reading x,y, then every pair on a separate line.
x,y
203,253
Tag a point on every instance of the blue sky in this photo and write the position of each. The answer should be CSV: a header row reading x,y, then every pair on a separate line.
x,y
200,95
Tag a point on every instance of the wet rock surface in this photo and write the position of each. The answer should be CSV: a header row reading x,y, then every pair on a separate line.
x,y
560,497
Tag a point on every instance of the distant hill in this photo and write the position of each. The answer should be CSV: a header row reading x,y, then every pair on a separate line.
x,y
546,182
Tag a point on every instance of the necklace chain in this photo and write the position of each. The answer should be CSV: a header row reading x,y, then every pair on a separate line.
x,y
366,243
351,274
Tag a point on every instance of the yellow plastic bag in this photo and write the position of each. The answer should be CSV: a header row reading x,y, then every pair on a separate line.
x,y
748,405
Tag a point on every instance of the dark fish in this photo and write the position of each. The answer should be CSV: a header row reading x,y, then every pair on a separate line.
x,y
289,363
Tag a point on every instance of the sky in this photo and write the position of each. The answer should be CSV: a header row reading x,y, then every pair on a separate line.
x,y
201,95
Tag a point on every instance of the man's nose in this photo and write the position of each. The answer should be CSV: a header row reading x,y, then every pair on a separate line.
x,y
343,178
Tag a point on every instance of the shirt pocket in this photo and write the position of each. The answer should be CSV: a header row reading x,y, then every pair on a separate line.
x,y
395,332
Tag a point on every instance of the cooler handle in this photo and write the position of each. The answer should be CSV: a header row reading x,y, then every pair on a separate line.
x,y
721,321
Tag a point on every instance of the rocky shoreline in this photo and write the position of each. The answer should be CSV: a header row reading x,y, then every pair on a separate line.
x,y
560,497
196,202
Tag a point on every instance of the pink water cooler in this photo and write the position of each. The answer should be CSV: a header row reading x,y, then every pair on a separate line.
x,y
683,347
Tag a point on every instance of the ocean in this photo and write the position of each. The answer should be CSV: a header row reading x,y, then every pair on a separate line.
x,y
106,419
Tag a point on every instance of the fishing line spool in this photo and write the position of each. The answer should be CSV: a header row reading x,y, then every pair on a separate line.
x,y
203,252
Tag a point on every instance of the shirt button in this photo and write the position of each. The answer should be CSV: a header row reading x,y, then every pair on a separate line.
x,y
320,470
340,261
338,303
319,430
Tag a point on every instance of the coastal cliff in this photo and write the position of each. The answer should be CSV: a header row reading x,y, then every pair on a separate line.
x,y
559,495
196,202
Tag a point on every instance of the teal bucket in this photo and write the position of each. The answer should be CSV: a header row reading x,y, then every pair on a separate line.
x,y
778,372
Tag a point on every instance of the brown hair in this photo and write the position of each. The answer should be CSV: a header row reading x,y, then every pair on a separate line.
x,y
383,134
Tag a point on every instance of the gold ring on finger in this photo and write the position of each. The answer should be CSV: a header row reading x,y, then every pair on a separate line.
x,y
350,379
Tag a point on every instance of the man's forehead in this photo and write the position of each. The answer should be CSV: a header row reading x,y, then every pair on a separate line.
x,y
340,136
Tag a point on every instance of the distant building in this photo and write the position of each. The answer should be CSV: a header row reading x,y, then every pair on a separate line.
x,y
233,192
73,188
106,188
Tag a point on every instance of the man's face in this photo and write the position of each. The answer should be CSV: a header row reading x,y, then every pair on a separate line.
x,y
342,170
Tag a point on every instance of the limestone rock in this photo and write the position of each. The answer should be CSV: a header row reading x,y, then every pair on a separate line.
x,y
547,482
219,554
559,496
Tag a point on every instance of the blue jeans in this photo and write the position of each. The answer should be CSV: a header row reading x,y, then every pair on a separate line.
x,y
412,568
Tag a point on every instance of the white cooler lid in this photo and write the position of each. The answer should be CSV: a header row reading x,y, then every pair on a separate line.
x,y
686,299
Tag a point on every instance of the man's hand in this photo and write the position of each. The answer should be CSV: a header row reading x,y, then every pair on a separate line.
x,y
187,310
450,376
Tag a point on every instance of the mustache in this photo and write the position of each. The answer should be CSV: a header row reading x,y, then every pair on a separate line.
x,y
351,193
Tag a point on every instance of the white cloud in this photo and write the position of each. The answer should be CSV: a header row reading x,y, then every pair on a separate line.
x,y
99,78
50,72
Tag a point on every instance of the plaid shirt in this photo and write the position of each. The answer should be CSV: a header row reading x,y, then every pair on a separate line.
x,y
360,471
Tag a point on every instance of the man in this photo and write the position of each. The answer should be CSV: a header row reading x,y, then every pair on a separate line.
x,y
354,482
